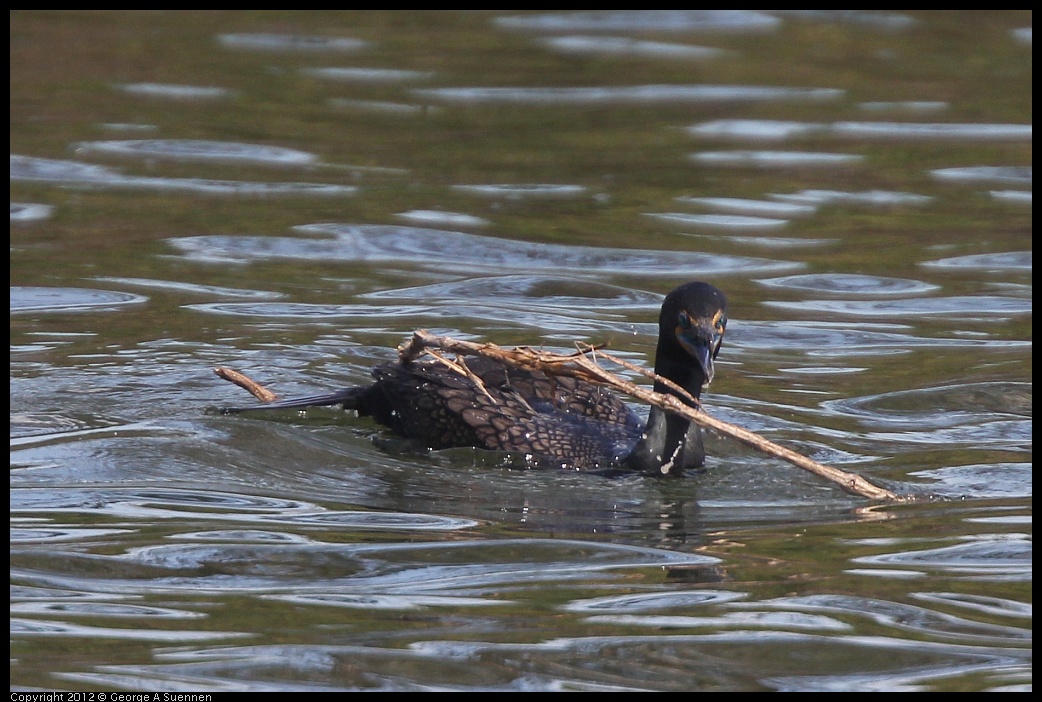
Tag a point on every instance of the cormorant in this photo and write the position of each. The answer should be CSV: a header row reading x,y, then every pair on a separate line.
x,y
559,422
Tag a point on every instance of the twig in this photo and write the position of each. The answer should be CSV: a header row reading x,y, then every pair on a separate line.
x,y
580,365
460,366
248,384
695,402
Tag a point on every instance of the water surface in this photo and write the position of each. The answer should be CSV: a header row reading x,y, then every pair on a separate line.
x,y
292,193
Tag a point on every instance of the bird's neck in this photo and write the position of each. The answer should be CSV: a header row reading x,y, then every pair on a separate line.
x,y
685,373
670,443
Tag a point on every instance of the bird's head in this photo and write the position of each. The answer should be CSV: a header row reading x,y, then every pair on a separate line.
x,y
691,325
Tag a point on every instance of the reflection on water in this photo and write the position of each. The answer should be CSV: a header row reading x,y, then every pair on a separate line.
x,y
604,157
639,94
72,174
776,130
730,21
459,251
24,300
197,150
988,307
169,91
850,284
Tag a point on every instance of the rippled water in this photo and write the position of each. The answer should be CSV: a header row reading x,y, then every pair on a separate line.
x,y
291,194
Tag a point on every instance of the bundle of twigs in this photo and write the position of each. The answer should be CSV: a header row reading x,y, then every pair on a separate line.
x,y
583,365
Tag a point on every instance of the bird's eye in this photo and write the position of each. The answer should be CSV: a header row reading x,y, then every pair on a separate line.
x,y
721,323
683,320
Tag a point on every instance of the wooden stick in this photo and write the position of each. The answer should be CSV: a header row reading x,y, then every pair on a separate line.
x,y
246,383
581,365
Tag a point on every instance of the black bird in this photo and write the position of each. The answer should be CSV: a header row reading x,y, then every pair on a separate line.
x,y
560,422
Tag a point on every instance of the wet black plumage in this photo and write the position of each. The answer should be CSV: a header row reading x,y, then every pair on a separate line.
x,y
561,422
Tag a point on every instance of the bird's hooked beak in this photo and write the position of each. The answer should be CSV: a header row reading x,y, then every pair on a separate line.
x,y
701,338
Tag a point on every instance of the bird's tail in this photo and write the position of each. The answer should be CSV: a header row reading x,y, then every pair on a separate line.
x,y
348,397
